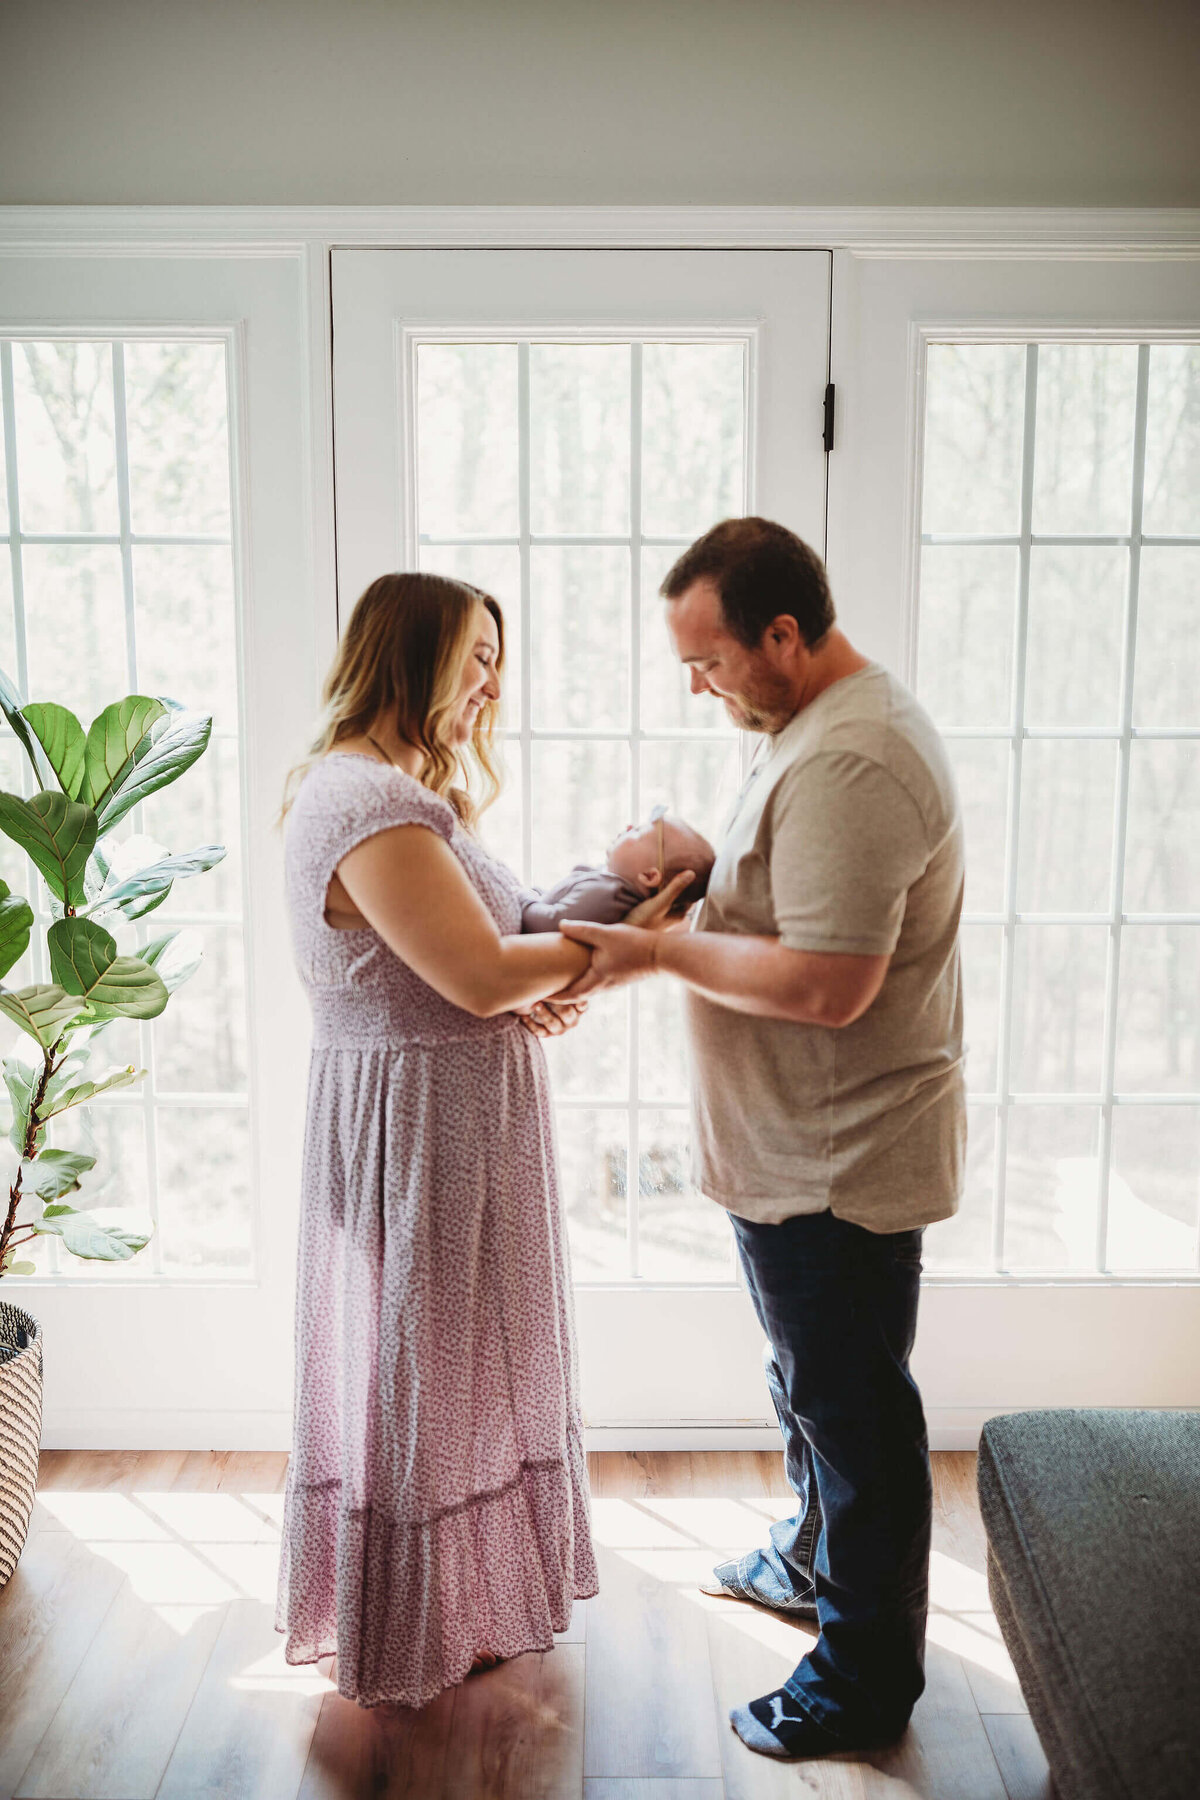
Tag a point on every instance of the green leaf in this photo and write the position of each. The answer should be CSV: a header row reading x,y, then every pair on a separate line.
x,y
140,893
83,1091
19,1080
41,1010
59,834
20,1268
10,705
176,956
56,1172
118,739
177,740
61,737
84,960
16,922
84,1236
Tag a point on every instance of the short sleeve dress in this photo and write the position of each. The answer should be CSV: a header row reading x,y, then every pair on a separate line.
x,y
437,1501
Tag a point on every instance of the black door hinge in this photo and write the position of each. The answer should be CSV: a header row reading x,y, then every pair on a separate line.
x,y
827,435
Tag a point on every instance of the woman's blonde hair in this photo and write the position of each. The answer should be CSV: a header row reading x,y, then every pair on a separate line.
x,y
401,657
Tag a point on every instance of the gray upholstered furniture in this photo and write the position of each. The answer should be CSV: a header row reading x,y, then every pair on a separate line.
x,y
1093,1525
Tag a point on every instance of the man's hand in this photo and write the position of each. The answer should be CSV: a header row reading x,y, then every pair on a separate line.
x,y
620,954
550,1018
653,912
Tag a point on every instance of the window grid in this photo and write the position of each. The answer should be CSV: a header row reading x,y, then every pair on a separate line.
x,y
634,734
147,1099
1123,734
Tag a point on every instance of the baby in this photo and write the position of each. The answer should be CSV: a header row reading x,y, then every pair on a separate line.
x,y
638,863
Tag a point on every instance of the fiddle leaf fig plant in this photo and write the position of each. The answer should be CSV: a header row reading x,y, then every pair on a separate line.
x,y
86,782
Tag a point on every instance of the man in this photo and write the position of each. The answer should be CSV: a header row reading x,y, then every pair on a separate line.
x,y
825,1020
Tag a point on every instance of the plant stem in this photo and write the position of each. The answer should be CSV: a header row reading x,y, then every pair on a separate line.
x,y
15,1195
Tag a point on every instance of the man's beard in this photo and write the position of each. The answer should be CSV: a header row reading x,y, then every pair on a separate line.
x,y
766,707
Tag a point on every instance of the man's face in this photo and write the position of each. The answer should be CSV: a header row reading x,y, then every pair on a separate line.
x,y
758,696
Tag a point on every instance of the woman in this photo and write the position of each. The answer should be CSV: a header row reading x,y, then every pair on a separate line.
x,y
436,1516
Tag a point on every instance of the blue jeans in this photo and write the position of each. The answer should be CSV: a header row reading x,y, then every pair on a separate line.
x,y
839,1308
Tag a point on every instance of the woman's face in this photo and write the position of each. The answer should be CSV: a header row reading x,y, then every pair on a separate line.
x,y
480,679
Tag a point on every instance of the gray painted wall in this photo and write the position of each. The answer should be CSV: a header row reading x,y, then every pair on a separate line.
x,y
833,102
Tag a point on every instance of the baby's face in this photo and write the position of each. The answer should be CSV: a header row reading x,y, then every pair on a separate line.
x,y
635,851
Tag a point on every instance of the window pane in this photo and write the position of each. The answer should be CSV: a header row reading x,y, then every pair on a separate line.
x,y
698,781
1166,686
1083,467
582,802
579,617
681,1235
202,807
579,439
981,773
1065,854
496,568
593,1149
662,1040
667,701
66,444
117,1187
974,427
175,405
1162,849
75,626
200,1040
467,440
1154,1187
1158,1022
204,1199
965,1241
1052,1190
1076,629
964,643
591,1062
8,630
1058,1008
693,457
1171,502
500,826
981,946
187,627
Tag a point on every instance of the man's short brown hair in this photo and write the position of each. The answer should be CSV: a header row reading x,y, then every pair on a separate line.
x,y
760,570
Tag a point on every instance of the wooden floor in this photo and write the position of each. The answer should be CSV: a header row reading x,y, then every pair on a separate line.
x,y
138,1659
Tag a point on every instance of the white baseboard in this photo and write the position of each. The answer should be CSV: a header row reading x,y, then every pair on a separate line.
x,y
149,1428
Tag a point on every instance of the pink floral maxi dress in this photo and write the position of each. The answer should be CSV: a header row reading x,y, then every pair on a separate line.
x,y
436,1501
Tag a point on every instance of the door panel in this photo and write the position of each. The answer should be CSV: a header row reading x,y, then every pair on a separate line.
x,y
556,427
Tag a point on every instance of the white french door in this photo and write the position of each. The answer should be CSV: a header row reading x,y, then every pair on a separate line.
x,y
154,468
1023,437
556,426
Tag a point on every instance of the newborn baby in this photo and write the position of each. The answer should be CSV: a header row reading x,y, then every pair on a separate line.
x,y
639,862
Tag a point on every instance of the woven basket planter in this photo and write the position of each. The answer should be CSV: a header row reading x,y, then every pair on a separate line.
x,y
20,1429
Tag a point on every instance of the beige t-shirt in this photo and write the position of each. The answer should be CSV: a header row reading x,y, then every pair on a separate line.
x,y
846,837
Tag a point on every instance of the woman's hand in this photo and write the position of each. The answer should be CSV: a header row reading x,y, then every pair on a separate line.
x,y
550,1018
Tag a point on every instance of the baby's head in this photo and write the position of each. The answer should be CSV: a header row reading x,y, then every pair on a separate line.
x,y
634,855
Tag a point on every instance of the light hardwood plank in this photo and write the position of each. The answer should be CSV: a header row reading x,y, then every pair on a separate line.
x,y
248,1732
114,1732
388,1752
1018,1751
944,1754
649,1687
692,1787
514,1733
50,1610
